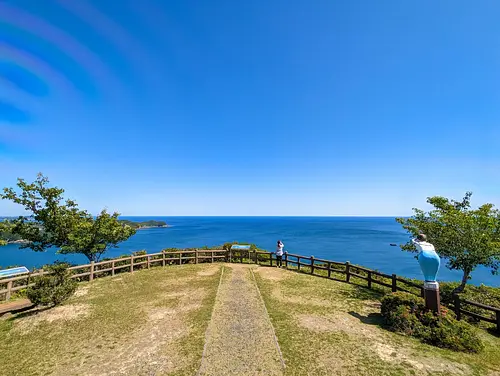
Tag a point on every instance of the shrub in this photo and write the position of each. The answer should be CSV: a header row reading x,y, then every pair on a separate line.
x,y
53,288
405,313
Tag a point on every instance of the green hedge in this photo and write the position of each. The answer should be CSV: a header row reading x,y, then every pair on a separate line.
x,y
405,313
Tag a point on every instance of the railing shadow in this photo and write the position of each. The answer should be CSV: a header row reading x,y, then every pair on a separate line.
x,y
370,319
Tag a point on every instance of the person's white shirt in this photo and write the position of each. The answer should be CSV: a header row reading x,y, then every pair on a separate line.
x,y
423,246
279,249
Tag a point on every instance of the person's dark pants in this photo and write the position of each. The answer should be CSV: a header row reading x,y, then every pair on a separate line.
x,y
279,260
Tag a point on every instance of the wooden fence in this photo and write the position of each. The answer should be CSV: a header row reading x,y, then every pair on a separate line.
x,y
345,272
339,271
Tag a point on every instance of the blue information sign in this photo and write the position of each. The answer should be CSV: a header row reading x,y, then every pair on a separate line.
x,y
240,247
14,271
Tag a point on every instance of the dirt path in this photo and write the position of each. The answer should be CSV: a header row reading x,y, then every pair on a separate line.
x,y
240,337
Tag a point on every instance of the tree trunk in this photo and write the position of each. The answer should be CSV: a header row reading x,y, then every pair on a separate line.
x,y
461,287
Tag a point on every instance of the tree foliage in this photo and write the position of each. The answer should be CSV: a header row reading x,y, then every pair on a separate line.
x,y
54,287
465,237
53,221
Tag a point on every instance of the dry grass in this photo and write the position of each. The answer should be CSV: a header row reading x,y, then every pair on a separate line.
x,y
339,333
146,323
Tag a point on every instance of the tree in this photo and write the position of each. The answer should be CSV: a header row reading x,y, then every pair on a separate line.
x,y
56,222
465,237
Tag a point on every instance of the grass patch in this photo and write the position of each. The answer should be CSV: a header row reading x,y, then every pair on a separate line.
x,y
326,327
148,322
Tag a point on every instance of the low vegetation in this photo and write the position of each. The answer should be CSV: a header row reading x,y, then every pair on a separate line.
x,y
405,313
52,288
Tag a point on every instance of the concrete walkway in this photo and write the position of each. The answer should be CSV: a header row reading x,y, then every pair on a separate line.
x,y
240,338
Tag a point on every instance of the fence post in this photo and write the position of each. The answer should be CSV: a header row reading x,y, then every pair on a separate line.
x,y
298,263
255,256
456,301
212,254
312,264
91,276
196,256
394,286
241,256
286,260
163,257
369,279
180,258
498,321
329,265
422,292
347,271
148,261
271,259
131,264
9,287
113,268
230,255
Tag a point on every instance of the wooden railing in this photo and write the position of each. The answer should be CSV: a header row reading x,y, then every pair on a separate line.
x,y
339,271
111,267
345,272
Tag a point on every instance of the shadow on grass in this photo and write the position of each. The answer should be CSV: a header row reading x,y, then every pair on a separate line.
x,y
493,331
371,319
28,312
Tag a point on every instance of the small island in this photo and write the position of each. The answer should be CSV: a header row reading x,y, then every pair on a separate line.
x,y
143,225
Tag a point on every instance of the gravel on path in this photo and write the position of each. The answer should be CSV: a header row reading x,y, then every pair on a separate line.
x,y
240,337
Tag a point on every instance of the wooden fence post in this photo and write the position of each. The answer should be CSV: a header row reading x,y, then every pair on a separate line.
x,y
394,286
271,259
163,257
180,257
329,266
347,271
212,254
369,279
148,261
255,256
498,321
241,256
230,255
298,263
312,264
113,268
286,260
9,287
131,264
91,276
196,256
456,301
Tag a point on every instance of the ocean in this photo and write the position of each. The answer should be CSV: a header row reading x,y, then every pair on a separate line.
x,y
360,240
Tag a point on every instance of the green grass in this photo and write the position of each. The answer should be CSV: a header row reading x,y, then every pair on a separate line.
x,y
125,323
326,327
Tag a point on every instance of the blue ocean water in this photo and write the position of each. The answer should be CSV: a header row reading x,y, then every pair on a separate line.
x,y
360,240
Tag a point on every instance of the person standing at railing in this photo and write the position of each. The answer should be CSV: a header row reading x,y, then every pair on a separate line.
x,y
279,254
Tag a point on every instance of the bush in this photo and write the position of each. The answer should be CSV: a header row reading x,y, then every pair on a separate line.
x,y
53,288
406,313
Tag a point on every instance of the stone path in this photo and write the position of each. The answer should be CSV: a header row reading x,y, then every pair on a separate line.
x,y
240,336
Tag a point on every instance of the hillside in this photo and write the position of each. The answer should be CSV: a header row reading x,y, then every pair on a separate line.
x,y
222,319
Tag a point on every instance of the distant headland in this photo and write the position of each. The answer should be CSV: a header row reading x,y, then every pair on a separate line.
x,y
144,225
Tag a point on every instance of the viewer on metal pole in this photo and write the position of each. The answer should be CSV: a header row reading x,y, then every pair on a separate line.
x,y
279,254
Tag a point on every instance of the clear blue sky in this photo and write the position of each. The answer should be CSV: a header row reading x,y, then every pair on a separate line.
x,y
252,107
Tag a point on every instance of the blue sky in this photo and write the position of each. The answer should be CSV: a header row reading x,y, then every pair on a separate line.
x,y
251,107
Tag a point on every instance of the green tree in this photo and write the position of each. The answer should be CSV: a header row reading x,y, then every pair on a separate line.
x,y
465,237
53,221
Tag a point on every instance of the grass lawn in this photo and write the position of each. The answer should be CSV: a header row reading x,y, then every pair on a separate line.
x,y
133,324
332,328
